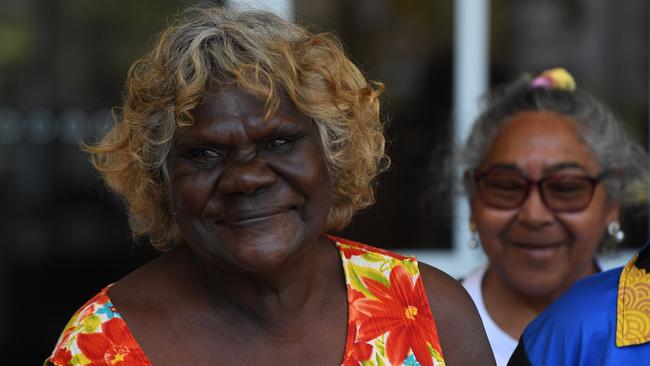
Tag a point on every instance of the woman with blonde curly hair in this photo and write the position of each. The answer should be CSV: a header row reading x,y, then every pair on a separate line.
x,y
242,141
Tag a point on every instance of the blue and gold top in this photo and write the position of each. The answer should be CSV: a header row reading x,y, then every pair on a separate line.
x,y
602,320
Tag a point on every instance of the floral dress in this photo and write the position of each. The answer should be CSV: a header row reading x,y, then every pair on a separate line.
x,y
97,335
389,321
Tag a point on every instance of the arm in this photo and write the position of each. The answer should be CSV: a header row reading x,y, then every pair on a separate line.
x,y
461,332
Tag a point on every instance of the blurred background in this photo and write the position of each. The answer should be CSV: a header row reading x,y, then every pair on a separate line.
x,y
63,64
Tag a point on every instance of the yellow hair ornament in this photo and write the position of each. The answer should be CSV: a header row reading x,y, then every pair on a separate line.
x,y
557,78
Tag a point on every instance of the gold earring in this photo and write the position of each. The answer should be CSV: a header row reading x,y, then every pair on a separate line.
x,y
474,241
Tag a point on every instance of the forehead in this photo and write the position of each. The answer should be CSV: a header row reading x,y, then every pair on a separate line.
x,y
536,141
231,110
228,102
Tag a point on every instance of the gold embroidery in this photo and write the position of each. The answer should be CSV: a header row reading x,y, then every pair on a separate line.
x,y
633,306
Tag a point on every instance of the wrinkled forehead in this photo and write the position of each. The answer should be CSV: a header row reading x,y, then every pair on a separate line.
x,y
229,112
261,100
229,101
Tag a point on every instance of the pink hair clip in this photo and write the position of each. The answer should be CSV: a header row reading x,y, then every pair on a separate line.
x,y
557,78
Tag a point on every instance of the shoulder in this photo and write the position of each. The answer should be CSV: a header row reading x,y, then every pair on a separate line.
x,y
442,288
350,248
472,282
153,284
460,329
456,325
98,327
88,318
91,331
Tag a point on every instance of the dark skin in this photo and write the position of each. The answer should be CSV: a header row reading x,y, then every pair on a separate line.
x,y
256,282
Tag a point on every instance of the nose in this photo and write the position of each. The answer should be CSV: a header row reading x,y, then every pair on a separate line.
x,y
533,211
246,176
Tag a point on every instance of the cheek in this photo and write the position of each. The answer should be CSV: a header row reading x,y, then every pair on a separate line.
x,y
594,219
320,183
587,228
491,224
586,233
307,173
190,193
319,187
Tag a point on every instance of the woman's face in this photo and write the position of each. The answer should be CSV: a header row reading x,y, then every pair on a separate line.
x,y
533,249
248,193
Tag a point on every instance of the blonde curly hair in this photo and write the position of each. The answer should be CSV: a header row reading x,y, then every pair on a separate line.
x,y
263,55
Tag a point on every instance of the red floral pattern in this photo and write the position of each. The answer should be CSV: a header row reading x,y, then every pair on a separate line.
x,y
389,309
113,346
97,336
358,351
401,312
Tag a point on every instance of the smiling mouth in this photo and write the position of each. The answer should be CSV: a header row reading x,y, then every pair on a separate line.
x,y
537,252
536,246
250,217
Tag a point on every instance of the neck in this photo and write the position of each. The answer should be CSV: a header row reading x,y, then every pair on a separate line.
x,y
513,310
274,299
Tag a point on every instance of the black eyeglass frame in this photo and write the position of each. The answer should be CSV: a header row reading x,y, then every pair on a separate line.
x,y
594,181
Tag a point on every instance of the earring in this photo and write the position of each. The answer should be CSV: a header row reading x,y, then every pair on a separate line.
x,y
474,241
614,230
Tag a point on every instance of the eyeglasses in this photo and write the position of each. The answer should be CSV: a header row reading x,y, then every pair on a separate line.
x,y
505,189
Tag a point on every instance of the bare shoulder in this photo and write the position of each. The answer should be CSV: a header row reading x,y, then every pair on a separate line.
x,y
151,284
461,332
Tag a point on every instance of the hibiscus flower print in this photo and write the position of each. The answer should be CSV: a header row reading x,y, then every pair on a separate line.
x,y
113,346
389,309
97,336
399,311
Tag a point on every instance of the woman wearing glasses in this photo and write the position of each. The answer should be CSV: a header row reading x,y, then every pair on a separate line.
x,y
547,170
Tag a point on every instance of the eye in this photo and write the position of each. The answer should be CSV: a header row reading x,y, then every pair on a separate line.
x,y
568,185
506,182
278,143
206,156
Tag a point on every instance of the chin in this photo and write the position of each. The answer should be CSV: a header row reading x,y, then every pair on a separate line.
x,y
539,285
258,252
262,258
255,246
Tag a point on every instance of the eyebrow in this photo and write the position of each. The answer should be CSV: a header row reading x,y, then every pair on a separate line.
x,y
185,138
288,126
507,166
564,165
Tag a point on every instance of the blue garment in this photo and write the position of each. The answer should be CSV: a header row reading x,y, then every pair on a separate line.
x,y
579,329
